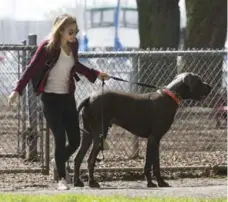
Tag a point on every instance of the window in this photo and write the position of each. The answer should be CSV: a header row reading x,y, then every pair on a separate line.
x,y
104,17
130,18
94,19
107,18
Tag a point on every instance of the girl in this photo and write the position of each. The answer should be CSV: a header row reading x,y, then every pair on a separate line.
x,y
57,87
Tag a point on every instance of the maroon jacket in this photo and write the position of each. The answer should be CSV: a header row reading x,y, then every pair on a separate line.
x,y
39,61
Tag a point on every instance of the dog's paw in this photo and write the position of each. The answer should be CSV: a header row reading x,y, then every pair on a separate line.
x,y
94,184
78,183
151,184
163,184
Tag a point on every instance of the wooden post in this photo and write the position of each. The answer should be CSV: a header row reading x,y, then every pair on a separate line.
x,y
33,115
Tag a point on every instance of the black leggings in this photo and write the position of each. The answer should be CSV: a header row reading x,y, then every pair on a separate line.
x,y
62,117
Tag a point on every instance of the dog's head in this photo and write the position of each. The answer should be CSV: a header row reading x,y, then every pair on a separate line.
x,y
189,86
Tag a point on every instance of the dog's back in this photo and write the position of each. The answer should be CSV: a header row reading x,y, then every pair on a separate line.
x,y
147,115
137,113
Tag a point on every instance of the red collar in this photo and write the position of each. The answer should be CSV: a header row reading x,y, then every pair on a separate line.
x,y
172,95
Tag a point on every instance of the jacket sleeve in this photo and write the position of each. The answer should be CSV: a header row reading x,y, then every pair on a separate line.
x,y
37,61
89,73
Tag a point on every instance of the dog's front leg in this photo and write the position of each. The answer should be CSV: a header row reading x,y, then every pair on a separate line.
x,y
156,166
83,148
149,161
91,161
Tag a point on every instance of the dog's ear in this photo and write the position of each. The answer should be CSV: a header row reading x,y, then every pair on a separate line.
x,y
190,80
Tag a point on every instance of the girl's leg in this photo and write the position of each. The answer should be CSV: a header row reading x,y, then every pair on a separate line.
x,y
53,113
71,124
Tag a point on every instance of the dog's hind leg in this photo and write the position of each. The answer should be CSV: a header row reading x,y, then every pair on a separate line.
x,y
83,148
149,161
97,144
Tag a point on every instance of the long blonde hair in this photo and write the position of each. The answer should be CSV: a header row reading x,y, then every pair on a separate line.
x,y
59,24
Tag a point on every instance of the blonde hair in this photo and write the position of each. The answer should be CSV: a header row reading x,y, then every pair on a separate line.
x,y
59,24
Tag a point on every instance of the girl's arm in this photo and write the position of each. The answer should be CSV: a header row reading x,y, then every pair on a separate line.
x,y
37,61
90,74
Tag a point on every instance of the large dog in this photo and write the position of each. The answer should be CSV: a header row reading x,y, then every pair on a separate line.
x,y
147,115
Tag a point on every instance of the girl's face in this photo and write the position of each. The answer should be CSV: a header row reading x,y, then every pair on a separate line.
x,y
69,33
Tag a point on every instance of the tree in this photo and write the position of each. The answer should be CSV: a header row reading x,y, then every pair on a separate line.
x,y
159,28
206,24
206,29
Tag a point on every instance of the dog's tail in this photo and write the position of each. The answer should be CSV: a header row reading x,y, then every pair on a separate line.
x,y
84,103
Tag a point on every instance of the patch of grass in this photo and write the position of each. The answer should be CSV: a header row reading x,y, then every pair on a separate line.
x,y
86,198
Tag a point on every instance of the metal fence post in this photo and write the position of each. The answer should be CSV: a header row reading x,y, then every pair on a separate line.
x,y
134,89
46,167
32,102
23,99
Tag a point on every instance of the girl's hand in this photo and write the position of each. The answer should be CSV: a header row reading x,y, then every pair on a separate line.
x,y
12,97
103,76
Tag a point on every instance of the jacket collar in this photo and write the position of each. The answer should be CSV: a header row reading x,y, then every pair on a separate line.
x,y
74,48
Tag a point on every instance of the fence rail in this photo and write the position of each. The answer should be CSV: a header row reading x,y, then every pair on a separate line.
x,y
195,138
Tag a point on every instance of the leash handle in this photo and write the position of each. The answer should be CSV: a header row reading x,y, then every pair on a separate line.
x,y
137,83
103,83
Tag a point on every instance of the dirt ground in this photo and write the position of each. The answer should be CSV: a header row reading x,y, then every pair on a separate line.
x,y
192,141
197,188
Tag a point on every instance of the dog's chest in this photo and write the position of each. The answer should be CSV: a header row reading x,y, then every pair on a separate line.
x,y
143,116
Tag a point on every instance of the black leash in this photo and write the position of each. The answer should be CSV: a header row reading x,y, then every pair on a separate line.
x,y
137,83
102,107
102,120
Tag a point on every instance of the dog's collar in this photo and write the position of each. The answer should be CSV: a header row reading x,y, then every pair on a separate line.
x,y
172,95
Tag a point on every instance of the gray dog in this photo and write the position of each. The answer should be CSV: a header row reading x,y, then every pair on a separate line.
x,y
147,115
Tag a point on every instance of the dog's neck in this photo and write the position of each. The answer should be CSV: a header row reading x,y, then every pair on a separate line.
x,y
171,94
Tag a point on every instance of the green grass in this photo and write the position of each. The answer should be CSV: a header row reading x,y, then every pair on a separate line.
x,y
85,198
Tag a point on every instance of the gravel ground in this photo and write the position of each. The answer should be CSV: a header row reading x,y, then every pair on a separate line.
x,y
197,188
192,141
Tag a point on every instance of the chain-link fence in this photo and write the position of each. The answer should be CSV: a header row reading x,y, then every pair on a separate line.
x,y
194,140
